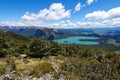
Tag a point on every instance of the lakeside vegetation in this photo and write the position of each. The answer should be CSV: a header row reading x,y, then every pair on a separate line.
x,y
37,57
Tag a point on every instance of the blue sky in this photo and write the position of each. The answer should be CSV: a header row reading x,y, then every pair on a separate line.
x,y
60,13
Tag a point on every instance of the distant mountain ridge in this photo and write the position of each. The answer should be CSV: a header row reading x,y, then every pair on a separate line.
x,y
9,36
51,33
32,32
46,33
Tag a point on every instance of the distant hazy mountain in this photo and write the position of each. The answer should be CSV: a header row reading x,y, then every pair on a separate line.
x,y
46,33
50,33
32,32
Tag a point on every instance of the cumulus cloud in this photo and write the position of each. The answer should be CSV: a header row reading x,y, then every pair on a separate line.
x,y
55,12
106,23
89,2
22,23
4,23
46,18
115,22
112,23
96,15
78,7
29,16
75,25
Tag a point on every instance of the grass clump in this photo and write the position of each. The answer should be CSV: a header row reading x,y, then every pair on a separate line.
x,y
41,68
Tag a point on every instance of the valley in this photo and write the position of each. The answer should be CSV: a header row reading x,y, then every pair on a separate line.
x,y
108,38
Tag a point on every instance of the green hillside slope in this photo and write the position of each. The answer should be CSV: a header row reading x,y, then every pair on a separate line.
x,y
22,58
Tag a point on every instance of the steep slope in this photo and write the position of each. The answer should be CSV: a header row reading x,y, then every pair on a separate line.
x,y
12,36
33,32
12,43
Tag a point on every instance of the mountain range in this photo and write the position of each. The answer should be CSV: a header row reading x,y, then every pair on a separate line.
x,y
52,33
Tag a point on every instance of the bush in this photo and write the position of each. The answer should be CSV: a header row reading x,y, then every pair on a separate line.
x,y
37,48
2,69
3,48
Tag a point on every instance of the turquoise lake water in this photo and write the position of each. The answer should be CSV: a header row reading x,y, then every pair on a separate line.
x,y
75,40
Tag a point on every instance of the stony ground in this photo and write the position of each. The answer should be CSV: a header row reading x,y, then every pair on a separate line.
x,y
24,66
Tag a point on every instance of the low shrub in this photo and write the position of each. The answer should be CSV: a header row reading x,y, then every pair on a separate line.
x,y
2,69
41,68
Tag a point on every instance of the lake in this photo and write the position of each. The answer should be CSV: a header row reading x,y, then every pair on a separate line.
x,y
83,40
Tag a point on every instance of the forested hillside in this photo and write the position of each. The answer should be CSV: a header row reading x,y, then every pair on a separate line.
x,y
109,38
22,58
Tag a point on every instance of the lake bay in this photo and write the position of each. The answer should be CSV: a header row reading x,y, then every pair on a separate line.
x,y
83,40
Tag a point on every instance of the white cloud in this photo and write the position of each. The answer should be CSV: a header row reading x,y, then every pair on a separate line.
x,y
96,15
55,12
29,17
89,2
112,23
67,24
23,23
46,18
104,24
4,23
78,7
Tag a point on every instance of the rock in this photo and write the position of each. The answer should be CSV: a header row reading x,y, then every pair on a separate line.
x,y
47,76
11,76
54,66
41,78
61,77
